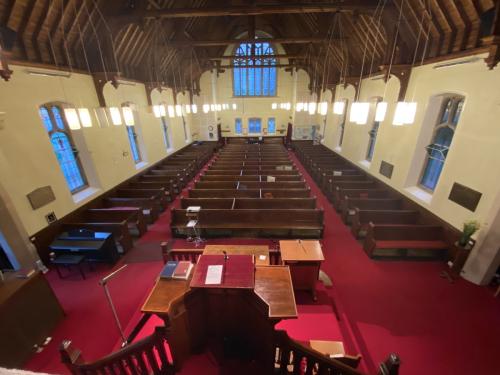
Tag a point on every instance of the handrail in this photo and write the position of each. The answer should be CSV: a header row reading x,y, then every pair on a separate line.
x,y
293,357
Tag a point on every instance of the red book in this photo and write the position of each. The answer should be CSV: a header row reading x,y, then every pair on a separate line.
x,y
183,270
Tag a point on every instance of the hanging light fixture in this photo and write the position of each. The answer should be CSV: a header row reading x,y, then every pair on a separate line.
x,y
312,108
194,108
85,118
72,118
338,108
178,110
116,117
359,112
163,110
171,111
212,107
188,109
157,111
405,113
128,116
288,106
274,106
218,107
234,106
323,108
206,108
380,111
299,107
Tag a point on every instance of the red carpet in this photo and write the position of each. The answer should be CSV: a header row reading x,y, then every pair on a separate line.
x,y
384,306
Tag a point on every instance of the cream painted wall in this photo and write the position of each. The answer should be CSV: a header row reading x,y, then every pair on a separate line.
x,y
26,157
474,153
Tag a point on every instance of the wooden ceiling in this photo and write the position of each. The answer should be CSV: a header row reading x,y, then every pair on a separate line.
x,y
174,41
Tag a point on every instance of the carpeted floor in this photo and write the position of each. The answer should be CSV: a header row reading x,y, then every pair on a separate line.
x,y
375,307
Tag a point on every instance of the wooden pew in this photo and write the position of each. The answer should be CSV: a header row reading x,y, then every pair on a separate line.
x,y
250,203
177,177
405,240
167,188
155,194
249,185
236,172
335,187
248,193
360,193
173,183
120,231
282,178
133,215
253,222
149,206
361,218
348,204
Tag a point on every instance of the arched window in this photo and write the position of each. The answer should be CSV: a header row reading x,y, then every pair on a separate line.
x,y
254,76
166,133
238,128
441,141
63,146
372,134
132,135
343,117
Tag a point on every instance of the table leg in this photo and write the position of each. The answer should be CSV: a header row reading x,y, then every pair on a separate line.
x,y
58,271
81,270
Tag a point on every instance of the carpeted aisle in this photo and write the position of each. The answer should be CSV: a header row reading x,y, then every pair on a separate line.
x,y
383,306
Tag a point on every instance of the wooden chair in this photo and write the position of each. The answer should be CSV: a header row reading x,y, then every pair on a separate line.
x,y
166,248
147,356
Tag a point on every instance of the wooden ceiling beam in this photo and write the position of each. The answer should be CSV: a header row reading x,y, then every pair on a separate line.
x,y
38,28
216,43
276,56
359,6
22,27
449,21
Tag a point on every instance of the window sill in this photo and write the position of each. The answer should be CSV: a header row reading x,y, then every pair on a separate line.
x,y
141,165
170,150
420,194
83,195
365,164
338,149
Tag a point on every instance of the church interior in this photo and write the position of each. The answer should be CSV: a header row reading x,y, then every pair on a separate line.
x,y
250,187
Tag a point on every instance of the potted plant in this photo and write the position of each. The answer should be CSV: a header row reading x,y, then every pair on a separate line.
x,y
470,227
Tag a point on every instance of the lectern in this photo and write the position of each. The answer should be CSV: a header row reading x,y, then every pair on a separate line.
x,y
233,318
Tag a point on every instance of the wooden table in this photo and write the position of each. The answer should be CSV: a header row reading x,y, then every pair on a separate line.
x,y
304,258
199,317
260,251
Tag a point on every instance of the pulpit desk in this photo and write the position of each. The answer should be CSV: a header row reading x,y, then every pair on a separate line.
x,y
304,258
199,317
261,252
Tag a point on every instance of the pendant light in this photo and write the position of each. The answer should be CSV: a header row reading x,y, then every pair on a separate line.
x,y
178,110
188,109
206,108
128,116
85,118
323,108
274,106
312,108
156,111
72,118
234,106
194,108
171,111
116,117
163,110
338,108
380,111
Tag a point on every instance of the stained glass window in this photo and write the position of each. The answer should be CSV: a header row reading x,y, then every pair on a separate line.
x,y
254,125
441,142
134,146
254,76
271,125
62,144
166,132
238,126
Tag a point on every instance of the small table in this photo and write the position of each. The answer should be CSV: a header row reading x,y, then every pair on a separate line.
x,y
68,260
261,252
304,258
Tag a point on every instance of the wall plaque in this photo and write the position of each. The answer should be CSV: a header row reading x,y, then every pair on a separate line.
x,y
465,196
41,196
386,169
